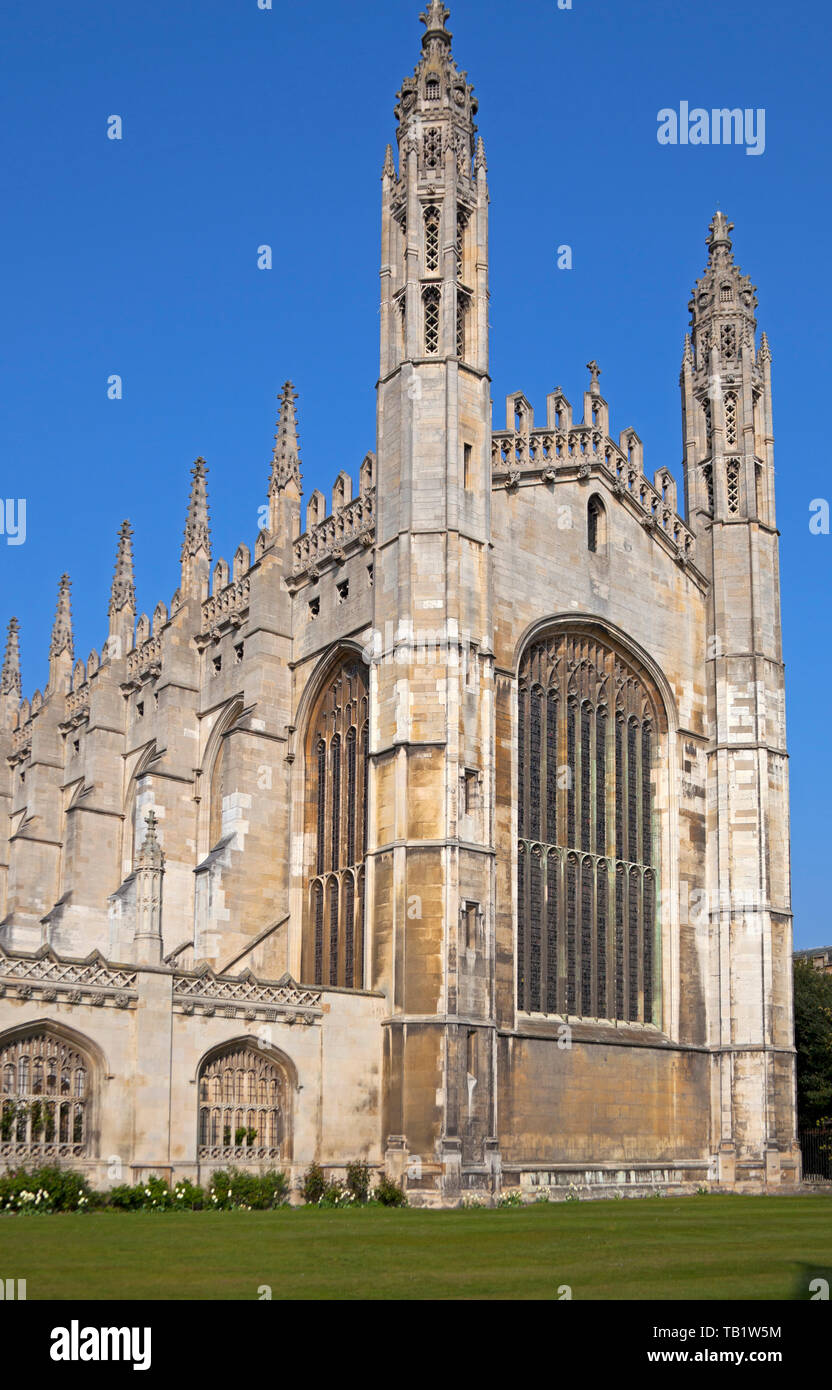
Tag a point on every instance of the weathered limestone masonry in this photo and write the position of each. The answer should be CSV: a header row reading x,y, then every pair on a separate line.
x,y
449,830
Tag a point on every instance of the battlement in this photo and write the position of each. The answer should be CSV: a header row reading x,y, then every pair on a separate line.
x,y
564,450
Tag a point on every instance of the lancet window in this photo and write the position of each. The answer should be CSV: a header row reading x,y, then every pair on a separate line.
x,y
337,775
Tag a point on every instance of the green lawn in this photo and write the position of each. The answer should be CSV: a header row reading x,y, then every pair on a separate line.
x,y
654,1248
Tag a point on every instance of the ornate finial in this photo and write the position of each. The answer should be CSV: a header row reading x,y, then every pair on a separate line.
x,y
719,232
765,350
434,22
389,170
480,161
123,591
687,355
10,674
286,457
62,628
197,525
596,372
150,854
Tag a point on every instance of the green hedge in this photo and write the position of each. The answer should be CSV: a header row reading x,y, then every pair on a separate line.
x,y
51,1189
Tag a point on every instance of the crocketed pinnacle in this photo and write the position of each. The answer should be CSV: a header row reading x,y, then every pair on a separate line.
x,y
10,684
197,526
123,591
719,233
62,629
150,854
434,22
286,457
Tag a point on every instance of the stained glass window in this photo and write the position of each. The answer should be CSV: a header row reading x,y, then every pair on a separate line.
x,y
587,916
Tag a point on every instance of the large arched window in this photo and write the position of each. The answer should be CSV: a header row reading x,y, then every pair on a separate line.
x,y
587,857
243,1106
45,1097
337,772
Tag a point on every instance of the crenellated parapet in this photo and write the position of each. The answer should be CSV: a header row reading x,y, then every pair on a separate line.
x,y
566,450
334,537
226,609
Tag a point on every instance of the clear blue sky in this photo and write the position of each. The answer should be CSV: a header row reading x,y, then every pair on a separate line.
x,y
243,127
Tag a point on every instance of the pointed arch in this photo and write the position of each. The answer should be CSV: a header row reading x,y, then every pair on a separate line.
x,y
336,770
50,1084
588,928
216,772
245,1103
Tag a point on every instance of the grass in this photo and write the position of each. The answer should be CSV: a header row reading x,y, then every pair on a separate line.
x,y
703,1247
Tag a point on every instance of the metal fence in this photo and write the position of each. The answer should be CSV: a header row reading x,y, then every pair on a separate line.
x,y
816,1146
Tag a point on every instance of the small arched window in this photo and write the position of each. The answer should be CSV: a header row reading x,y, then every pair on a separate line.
x,y
461,326
730,417
433,302
432,89
432,222
733,481
760,492
596,525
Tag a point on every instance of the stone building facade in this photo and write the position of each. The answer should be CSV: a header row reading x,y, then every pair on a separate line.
x,y
449,829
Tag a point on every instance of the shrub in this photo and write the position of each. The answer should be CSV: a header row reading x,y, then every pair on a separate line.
x,y
152,1195
45,1189
233,1190
358,1181
336,1195
314,1184
388,1193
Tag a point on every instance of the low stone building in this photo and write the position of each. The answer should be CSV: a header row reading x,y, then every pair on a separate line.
x,y
818,956
449,829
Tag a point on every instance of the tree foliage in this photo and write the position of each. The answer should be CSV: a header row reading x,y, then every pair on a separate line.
x,y
813,1039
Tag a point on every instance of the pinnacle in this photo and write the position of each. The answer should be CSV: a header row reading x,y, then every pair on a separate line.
x,y
123,592
480,161
719,232
434,19
197,525
62,629
150,854
10,674
286,456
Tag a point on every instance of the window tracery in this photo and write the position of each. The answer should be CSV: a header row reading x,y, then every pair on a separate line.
x,y
432,311
44,1098
243,1098
587,918
432,225
338,772
733,479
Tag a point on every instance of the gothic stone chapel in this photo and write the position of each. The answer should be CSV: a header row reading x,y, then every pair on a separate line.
x,y
431,833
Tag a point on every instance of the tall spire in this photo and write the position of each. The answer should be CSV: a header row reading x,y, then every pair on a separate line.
x,y
196,547
286,456
10,684
61,647
122,596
